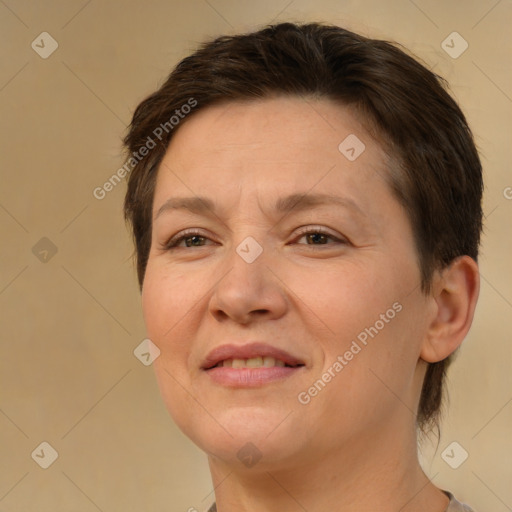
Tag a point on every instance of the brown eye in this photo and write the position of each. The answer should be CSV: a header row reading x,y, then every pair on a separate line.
x,y
191,239
319,236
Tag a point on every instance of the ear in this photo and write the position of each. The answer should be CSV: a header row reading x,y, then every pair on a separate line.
x,y
455,293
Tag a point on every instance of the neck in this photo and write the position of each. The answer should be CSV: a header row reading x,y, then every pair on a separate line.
x,y
375,472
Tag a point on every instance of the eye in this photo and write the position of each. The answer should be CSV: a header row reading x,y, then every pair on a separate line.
x,y
191,238
319,236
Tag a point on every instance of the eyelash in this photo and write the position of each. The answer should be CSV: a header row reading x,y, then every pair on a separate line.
x,y
175,240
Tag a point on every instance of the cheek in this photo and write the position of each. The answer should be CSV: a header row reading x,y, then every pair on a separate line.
x,y
156,301
380,379
166,306
166,300
342,298
368,317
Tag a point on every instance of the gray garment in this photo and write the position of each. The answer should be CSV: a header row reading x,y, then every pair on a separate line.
x,y
453,506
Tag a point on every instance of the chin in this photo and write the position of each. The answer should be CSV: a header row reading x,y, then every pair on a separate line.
x,y
245,437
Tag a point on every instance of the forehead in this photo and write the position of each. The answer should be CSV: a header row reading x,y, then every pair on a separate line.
x,y
282,141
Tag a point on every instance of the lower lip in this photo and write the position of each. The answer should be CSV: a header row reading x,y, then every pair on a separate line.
x,y
250,377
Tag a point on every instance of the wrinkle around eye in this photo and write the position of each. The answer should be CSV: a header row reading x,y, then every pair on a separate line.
x,y
337,233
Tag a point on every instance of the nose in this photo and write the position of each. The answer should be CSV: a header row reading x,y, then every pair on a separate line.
x,y
249,290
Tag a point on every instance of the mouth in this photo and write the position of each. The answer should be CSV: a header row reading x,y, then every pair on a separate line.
x,y
254,362
250,365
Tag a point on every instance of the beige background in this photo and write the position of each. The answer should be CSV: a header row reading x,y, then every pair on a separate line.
x,y
68,375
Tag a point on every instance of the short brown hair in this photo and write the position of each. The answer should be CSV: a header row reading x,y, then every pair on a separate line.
x,y
435,170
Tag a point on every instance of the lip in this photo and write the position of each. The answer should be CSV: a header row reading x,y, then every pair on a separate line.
x,y
248,351
249,377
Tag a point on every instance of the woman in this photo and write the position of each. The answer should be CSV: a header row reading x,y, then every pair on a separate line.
x,y
306,208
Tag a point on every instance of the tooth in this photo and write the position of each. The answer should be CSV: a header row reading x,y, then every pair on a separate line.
x,y
254,362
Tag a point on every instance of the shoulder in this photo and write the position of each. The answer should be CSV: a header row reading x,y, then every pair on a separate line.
x,y
455,505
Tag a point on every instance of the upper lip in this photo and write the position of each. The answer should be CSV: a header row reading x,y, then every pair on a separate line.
x,y
248,351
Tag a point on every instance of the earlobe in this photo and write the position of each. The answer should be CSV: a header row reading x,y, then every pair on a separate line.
x,y
455,294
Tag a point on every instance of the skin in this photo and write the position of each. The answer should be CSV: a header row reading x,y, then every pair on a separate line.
x,y
353,446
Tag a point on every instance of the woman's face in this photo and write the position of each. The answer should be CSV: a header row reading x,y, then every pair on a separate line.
x,y
297,254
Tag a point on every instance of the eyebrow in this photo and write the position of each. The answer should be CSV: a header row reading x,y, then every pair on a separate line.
x,y
204,206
